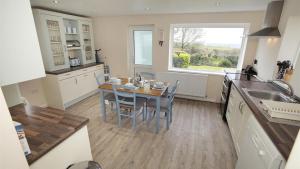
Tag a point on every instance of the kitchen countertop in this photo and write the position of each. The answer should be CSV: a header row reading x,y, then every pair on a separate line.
x,y
282,135
45,128
61,71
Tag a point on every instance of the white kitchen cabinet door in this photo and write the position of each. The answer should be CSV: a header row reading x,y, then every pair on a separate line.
x,y
87,41
237,115
69,89
86,83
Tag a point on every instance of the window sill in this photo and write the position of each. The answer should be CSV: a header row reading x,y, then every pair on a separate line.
x,y
196,71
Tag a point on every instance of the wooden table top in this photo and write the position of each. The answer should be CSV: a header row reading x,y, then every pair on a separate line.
x,y
151,92
45,128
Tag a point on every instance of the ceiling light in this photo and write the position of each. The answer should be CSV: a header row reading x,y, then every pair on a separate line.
x,y
55,1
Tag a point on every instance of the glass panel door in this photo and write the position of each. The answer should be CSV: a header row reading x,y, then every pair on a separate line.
x,y
56,42
87,40
141,46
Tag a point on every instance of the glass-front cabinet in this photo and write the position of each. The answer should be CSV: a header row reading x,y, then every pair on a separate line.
x,y
87,41
57,53
64,39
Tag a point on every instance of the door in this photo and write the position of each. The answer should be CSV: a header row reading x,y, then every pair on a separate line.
x,y
141,49
68,89
87,41
86,83
57,42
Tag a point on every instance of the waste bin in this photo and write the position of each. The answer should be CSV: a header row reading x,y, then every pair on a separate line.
x,y
85,165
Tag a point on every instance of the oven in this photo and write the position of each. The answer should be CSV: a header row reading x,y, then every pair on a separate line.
x,y
225,96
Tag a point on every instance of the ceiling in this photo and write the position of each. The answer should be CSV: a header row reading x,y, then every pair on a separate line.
x,y
134,7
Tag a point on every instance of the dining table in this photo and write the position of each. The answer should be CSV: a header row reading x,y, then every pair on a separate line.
x,y
152,93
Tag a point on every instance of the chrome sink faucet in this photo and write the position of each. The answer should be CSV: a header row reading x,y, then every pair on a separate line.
x,y
290,87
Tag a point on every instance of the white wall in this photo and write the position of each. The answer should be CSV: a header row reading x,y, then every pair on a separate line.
x,y
12,95
20,57
12,155
34,93
270,49
111,35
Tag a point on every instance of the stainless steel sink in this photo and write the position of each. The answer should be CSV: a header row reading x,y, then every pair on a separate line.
x,y
268,95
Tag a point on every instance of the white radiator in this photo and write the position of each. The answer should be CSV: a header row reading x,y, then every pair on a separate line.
x,y
190,84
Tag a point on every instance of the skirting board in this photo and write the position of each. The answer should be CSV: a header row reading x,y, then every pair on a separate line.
x,y
70,103
197,98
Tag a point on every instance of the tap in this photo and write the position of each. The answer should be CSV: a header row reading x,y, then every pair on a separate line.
x,y
290,87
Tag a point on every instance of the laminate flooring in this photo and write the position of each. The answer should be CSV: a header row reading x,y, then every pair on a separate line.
x,y
197,138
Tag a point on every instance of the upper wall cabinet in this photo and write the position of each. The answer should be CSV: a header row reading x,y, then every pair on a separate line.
x,y
20,56
291,40
87,41
63,37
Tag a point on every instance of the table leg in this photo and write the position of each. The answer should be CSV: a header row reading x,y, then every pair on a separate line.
x,y
157,114
102,105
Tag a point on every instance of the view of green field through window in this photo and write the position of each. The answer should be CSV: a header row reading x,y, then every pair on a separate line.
x,y
208,49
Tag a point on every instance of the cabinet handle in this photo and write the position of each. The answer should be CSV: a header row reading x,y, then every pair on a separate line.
x,y
65,47
76,81
85,75
254,142
242,107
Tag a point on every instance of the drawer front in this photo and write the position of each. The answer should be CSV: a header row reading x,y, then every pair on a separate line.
x,y
99,66
67,75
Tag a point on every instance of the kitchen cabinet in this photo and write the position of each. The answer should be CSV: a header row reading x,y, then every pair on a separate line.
x,y
65,89
68,89
253,147
237,113
63,37
87,41
257,150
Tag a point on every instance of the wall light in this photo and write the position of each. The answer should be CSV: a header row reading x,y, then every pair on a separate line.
x,y
161,37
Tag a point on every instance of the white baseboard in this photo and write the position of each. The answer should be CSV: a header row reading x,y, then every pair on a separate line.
x,y
198,98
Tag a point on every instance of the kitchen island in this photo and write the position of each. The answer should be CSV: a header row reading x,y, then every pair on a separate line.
x,y
56,139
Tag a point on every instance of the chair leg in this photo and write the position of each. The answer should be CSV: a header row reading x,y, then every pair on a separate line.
x,y
168,120
171,113
144,113
119,119
133,121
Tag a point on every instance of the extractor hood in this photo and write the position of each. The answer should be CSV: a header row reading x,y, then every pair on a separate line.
x,y
272,17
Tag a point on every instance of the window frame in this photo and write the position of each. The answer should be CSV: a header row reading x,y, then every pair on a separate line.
x,y
246,27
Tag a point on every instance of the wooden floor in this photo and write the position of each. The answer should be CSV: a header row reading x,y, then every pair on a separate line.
x,y
197,139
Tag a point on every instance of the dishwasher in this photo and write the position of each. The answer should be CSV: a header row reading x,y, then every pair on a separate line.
x,y
257,150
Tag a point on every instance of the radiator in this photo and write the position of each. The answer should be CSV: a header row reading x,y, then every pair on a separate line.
x,y
190,84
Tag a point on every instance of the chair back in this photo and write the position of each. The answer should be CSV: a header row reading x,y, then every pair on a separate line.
x,y
147,75
171,95
124,98
99,79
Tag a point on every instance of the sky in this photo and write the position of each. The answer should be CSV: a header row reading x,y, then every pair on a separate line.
x,y
230,36
221,36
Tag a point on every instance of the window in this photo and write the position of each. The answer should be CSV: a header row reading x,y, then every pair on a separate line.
x,y
207,47
143,47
